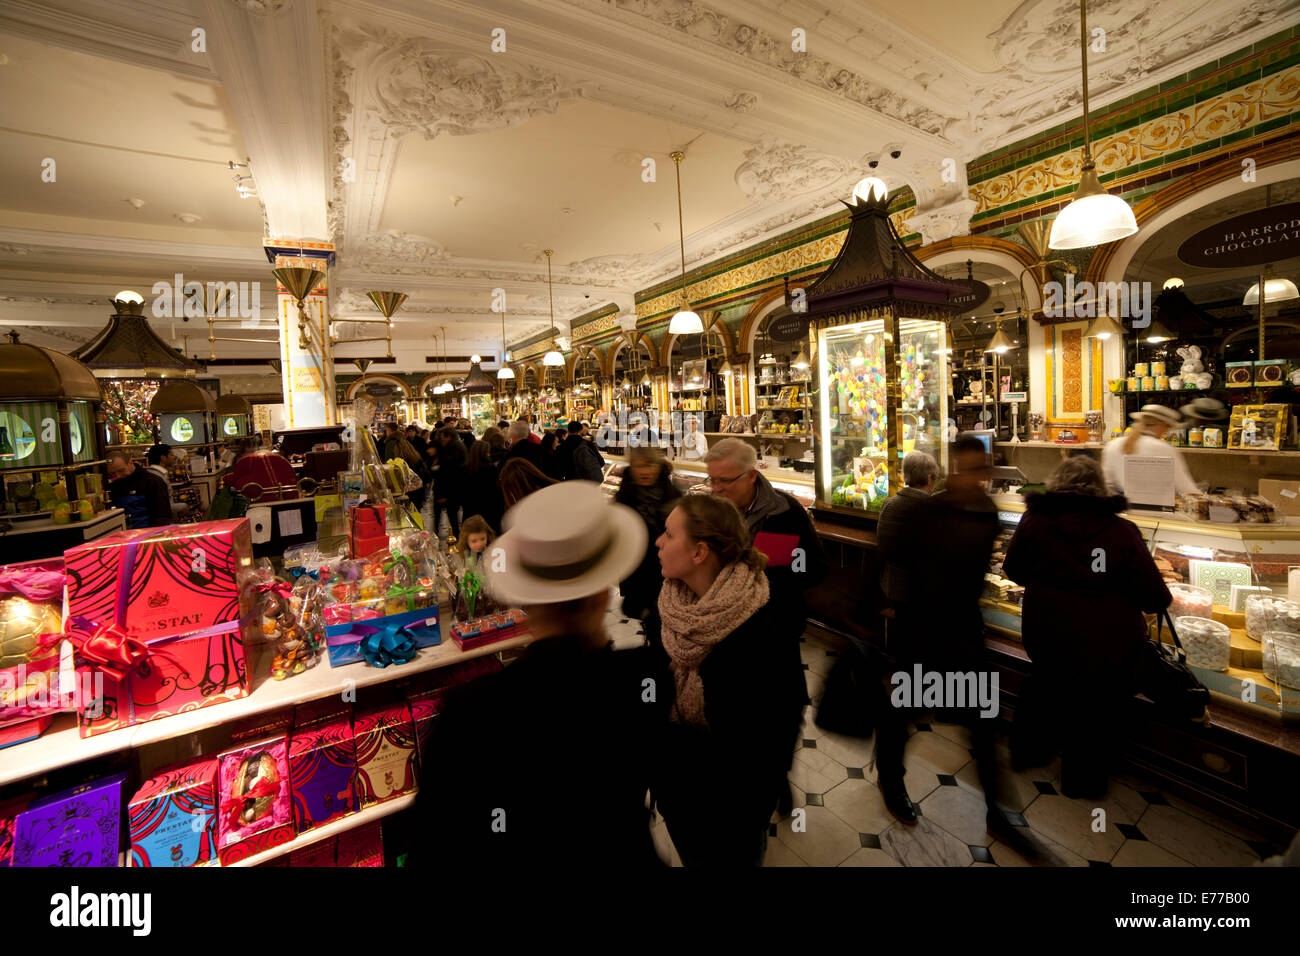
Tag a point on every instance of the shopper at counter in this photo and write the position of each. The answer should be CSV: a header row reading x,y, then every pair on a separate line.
x,y
504,744
739,698
1145,437
780,527
647,488
576,458
161,458
1088,577
137,491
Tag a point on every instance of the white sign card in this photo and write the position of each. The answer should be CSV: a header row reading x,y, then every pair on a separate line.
x,y
1149,481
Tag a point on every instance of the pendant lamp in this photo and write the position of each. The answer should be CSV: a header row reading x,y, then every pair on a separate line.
x,y
1275,290
505,371
1103,327
686,321
552,358
1000,343
1157,333
1093,216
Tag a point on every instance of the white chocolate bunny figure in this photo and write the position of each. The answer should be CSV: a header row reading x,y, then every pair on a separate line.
x,y
1193,370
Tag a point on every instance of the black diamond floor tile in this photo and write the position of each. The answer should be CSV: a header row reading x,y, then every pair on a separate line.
x,y
1015,819
855,773
1045,788
1154,798
981,854
1098,863
869,840
810,743
813,800
947,780
1131,832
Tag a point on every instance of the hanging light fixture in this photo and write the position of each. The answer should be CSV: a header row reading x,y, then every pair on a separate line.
x,y
1103,327
870,188
801,360
686,321
1275,290
552,358
505,371
1001,342
1157,333
1093,216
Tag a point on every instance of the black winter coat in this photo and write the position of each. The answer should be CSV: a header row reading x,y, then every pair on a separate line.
x,y
449,482
754,695
905,553
526,450
506,742
1088,576
640,589
576,458
780,521
483,496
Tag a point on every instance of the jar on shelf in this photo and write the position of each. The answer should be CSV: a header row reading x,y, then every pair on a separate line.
x,y
1207,643
1157,369
1213,438
1281,653
1191,601
1141,369
1266,614
1196,436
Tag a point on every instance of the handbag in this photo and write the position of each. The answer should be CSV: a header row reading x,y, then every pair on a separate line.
x,y
1166,679
846,706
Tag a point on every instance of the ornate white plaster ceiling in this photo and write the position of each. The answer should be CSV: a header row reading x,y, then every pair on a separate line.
x,y
442,168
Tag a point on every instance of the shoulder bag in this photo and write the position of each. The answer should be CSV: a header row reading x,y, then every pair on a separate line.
x,y
1165,677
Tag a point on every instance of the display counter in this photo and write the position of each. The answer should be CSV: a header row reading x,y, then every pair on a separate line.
x,y
37,538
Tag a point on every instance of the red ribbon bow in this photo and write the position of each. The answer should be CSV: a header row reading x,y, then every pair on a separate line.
x,y
282,588
235,805
113,650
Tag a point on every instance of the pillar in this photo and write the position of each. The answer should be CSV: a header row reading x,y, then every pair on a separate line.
x,y
307,374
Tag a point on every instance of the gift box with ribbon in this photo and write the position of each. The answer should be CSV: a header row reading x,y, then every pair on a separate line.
x,y
173,817
368,529
322,772
380,641
423,712
386,753
78,827
363,846
254,807
159,582
31,627
133,680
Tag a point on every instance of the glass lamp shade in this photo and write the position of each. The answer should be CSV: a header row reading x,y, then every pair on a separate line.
x,y
505,371
645,380
686,322
1275,290
1173,282
1000,343
800,361
126,295
1092,218
1157,333
552,358
1103,327
870,188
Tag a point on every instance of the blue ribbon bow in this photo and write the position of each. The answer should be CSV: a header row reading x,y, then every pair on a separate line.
x,y
381,646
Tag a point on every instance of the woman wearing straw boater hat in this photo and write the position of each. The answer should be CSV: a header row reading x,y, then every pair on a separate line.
x,y
550,759
1146,438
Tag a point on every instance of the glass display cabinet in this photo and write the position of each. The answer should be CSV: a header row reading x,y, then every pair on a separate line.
x,y
855,410
877,322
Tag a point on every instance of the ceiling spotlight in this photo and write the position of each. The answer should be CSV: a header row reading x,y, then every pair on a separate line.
x,y
188,217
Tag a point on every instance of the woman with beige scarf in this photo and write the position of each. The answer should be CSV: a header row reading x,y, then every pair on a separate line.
x,y
738,694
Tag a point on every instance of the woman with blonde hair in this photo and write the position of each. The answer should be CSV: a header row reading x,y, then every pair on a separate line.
x,y
1146,438
738,694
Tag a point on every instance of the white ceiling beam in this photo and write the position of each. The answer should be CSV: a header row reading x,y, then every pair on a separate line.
x,y
272,68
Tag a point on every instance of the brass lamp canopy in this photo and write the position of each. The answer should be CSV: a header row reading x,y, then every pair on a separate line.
x,y
299,280
387,302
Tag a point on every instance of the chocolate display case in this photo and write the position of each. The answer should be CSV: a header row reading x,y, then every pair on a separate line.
x,y
1243,575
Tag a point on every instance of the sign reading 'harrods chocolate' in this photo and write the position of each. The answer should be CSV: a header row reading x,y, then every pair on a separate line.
x,y
1251,239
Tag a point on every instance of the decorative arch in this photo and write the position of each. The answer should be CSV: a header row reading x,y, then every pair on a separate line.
x,y
728,340
1003,253
1273,164
355,387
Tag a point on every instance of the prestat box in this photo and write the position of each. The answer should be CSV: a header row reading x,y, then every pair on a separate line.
x,y
157,582
386,753
322,772
173,817
78,827
254,805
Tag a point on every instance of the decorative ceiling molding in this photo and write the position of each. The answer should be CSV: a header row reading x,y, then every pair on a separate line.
x,y
396,252
260,8
702,24
775,171
742,101
420,87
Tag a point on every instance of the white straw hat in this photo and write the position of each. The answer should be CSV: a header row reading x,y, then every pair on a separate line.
x,y
565,542
1157,414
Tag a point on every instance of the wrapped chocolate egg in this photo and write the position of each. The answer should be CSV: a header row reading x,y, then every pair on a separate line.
x,y
252,770
22,622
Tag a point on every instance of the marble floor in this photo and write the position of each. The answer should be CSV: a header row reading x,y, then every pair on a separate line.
x,y
845,822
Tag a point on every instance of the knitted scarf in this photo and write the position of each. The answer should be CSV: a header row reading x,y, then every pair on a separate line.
x,y
693,626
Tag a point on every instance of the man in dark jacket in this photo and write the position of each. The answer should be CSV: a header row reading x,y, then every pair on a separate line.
x,y
575,458
906,555
449,483
138,491
521,445
780,527
502,745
